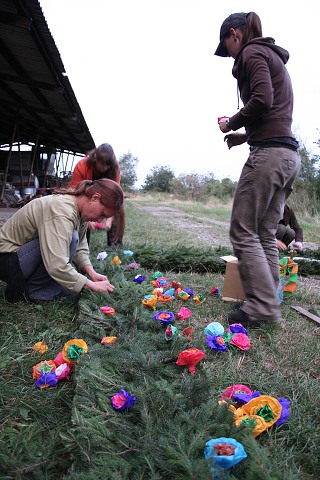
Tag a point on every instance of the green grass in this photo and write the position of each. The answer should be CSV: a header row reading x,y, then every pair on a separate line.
x,y
71,432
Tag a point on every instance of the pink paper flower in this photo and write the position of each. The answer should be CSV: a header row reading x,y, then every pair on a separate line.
x,y
240,340
184,313
237,388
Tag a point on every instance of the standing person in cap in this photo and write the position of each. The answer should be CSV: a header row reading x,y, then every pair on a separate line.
x,y
99,163
273,163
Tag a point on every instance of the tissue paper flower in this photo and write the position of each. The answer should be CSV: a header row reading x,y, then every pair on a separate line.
x,y
285,412
116,260
46,380
164,317
139,279
158,291
150,301
190,358
214,328
46,366
102,255
170,332
241,341
63,371
184,313
128,252
237,328
183,295
73,349
164,298
156,275
266,407
217,343
107,310
241,398
122,400
199,298
237,388
169,293
161,282
59,360
214,454
175,284
190,292
132,265
214,291
100,225
187,332
40,347
108,340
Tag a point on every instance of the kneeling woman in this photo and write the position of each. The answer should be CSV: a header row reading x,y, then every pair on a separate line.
x,y
41,242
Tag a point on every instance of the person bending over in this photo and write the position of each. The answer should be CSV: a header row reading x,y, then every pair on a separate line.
x,y
99,163
289,231
43,247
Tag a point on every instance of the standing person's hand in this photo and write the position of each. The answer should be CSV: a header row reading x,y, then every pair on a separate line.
x,y
235,139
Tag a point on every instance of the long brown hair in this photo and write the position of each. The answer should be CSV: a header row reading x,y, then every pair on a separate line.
x,y
111,196
105,156
252,29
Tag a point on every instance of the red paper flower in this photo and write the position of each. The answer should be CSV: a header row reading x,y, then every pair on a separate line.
x,y
190,357
187,332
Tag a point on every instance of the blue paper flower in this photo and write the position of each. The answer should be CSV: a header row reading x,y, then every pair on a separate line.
x,y
223,461
139,278
47,379
214,328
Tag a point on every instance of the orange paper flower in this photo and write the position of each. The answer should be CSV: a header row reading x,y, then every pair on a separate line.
x,y
40,347
46,366
164,298
108,340
73,343
116,260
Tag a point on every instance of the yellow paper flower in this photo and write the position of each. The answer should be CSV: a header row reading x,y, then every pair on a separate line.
x,y
150,301
116,260
108,340
40,347
73,343
249,411
199,298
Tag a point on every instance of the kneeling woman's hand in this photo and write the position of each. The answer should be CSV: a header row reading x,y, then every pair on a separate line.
x,y
100,286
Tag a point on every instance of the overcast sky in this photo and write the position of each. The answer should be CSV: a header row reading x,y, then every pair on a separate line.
x,y
147,81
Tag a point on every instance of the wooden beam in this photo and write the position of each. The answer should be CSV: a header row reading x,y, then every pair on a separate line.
x,y
307,314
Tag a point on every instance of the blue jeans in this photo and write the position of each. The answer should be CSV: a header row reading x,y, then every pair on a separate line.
x,y
264,185
40,285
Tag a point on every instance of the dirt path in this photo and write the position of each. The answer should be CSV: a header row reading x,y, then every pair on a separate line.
x,y
209,231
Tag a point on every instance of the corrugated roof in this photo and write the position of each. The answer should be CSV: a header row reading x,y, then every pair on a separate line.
x,y
33,84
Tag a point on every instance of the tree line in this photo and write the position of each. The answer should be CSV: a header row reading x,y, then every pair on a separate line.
x,y
199,187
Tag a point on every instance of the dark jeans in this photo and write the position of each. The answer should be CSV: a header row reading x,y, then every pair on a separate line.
x,y
39,283
264,185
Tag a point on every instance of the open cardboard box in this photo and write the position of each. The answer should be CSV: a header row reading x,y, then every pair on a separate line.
x,y
232,288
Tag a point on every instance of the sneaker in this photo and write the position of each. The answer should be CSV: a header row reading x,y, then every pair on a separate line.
x,y
240,316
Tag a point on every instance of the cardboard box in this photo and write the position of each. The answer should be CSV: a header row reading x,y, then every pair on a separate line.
x,y
232,288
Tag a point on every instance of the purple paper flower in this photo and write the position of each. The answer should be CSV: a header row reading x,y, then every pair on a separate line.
x,y
122,400
47,379
189,292
237,328
164,317
285,412
217,343
139,279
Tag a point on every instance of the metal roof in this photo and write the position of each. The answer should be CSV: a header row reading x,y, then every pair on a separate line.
x,y
37,103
